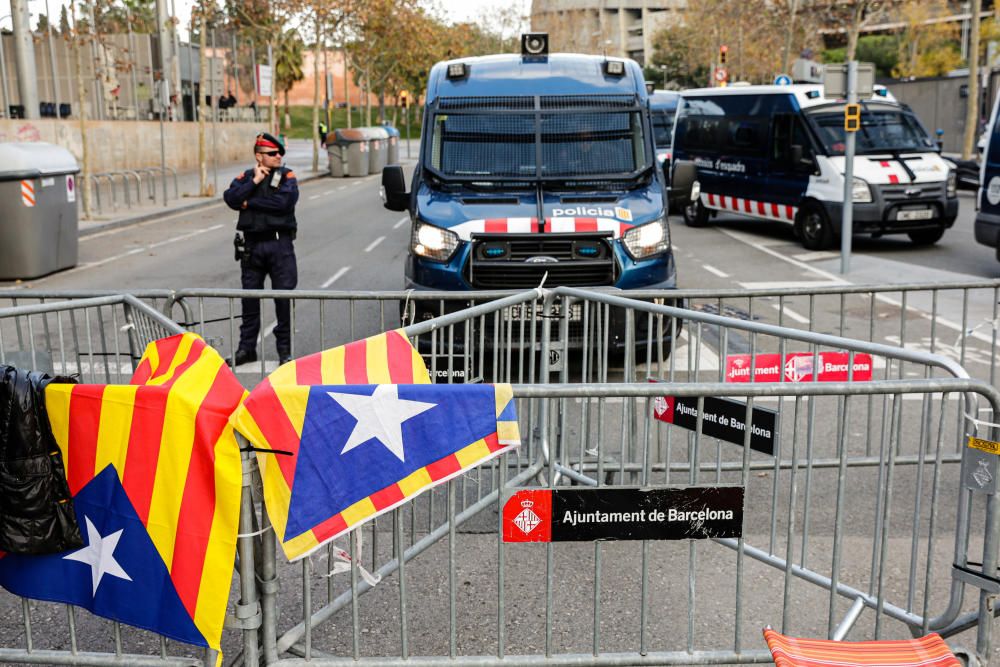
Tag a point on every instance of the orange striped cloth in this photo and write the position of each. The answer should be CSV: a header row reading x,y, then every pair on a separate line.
x,y
928,651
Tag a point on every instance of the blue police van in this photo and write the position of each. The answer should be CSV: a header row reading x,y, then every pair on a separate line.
x,y
777,153
987,225
663,111
535,165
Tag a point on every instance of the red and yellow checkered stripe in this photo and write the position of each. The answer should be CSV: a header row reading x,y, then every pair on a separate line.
x,y
168,437
927,651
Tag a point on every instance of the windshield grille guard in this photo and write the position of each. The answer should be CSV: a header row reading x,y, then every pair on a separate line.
x,y
531,104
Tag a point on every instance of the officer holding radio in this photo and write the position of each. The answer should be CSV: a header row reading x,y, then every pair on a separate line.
x,y
265,197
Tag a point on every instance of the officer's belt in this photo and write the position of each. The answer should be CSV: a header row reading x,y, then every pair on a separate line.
x,y
257,237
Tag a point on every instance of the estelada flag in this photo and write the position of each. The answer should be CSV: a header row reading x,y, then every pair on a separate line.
x,y
364,432
154,470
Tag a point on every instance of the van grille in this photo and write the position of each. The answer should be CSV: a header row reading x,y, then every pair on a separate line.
x,y
572,260
898,194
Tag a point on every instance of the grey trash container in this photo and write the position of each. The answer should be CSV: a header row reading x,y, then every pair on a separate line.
x,y
393,155
378,143
348,153
39,228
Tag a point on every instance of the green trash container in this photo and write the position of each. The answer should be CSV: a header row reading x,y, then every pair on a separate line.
x,y
348,153
378,144
40,225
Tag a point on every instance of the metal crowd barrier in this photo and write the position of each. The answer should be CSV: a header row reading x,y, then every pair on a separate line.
x,y
870,518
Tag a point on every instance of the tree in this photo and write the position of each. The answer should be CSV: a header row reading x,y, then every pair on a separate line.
x,y
757,37
927,48
972,106
43,23
880,50
288,60
64,26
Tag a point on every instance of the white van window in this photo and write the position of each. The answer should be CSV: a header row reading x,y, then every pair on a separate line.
x,y
881,131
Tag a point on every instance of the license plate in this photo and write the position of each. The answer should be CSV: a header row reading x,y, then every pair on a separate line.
x,y
522,311
915,214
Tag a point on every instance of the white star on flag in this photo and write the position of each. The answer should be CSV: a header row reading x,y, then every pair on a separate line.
x,y
379,416
99,554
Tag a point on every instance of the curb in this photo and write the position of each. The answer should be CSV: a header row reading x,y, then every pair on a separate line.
x,y
172,210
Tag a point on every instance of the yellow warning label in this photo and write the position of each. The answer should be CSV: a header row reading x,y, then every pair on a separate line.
x,y
987,446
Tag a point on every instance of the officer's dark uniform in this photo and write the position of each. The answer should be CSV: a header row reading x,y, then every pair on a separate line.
x,y
267,222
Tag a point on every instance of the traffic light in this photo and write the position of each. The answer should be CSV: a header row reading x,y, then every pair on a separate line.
x,y
852,117
723,50
404,99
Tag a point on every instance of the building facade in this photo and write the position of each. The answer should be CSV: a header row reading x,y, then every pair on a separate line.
x,y
623,28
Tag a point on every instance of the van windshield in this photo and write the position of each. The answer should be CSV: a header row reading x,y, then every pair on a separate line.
x,y
663,127
562,139
882,131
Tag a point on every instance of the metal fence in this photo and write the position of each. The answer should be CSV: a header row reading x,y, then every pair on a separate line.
x,y
869,518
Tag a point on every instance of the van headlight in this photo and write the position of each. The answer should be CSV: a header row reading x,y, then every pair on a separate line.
x,y
433,242
952,188
647,240
861,193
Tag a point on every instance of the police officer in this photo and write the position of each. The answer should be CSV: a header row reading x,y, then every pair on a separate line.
x,y
265,196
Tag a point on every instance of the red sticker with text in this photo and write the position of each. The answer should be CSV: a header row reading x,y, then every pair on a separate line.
x,y
799,367
527,516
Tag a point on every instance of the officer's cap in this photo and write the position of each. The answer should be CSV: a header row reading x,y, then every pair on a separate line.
x,y
265,140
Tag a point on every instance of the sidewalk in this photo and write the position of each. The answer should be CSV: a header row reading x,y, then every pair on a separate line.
x,y
298,157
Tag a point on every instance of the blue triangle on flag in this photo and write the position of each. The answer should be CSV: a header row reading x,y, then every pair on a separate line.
x,y
133,584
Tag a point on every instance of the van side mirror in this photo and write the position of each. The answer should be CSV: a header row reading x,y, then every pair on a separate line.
x,y
394,194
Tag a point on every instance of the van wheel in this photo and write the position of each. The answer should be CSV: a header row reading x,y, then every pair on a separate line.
x,y
695,215
926,236
813,228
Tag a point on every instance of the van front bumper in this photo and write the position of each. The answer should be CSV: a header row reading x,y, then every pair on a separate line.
x,y
881,215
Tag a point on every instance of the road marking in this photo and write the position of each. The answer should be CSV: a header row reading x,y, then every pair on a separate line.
x,y
712,269
401,222
793,284
342,187
329,192
335,277
124,228
750,241
834,280
371,246
791,313
135,251
816,255
314,196
358,182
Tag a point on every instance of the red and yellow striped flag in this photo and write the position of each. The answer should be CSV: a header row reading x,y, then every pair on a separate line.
x,y
168,439
361,430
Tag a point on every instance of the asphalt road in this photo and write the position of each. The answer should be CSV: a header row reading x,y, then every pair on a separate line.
x,y
347,241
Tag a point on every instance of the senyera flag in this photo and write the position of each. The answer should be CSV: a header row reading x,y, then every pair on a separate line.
x,y
154,469
346,434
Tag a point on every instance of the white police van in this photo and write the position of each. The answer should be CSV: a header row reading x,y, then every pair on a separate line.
x,y
777,153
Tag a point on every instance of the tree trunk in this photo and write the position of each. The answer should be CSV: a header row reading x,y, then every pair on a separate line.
x,y
83,183
786,59
315,115
855,29
272,118
972,101
203,188
347,89
287,115
368,100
